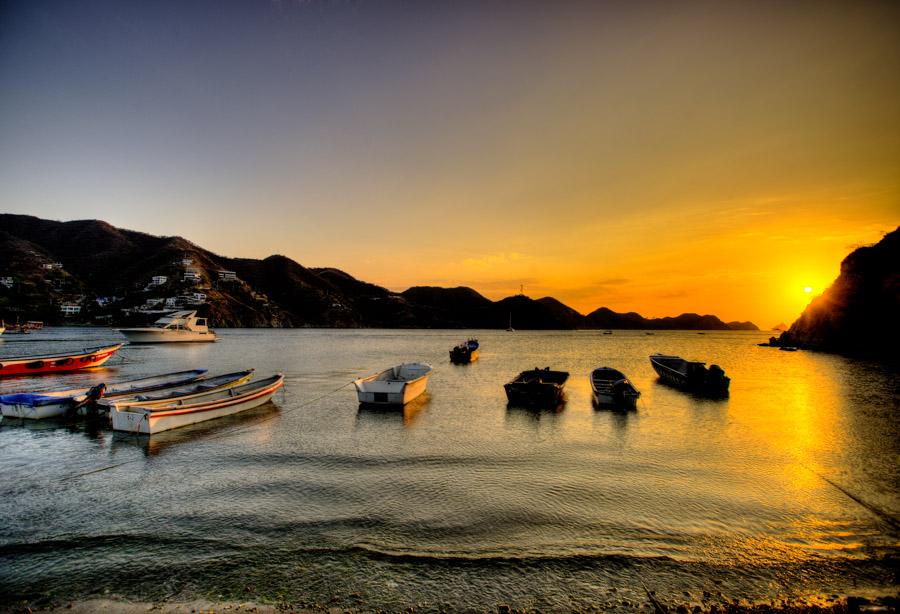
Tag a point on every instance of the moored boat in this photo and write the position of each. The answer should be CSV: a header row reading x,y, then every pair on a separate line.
x,y
692,376
394,386
610,387
179,326
537,387
57,363
56,403
181,393
199,408
465,352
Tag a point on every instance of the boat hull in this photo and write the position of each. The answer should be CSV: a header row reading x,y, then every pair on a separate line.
x,y
36,365
390,392
33,411
536,388
462,357
150,335
690,377
625,402
148,421
533,394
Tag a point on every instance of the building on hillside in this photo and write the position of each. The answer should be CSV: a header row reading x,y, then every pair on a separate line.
x,y
50,266
69,309
227,276
192,275
7,281
158,280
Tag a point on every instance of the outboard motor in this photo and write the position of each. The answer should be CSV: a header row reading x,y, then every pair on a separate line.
x,y
619,388
90,400
96,393
716,381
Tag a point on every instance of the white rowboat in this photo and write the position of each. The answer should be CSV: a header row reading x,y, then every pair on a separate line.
x,y
395,386
182,393
55,403
199,408
611,387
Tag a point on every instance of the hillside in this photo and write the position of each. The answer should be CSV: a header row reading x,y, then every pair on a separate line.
x,y
107,275
857,314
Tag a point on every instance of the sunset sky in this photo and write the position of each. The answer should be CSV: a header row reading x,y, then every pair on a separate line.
x,y
654,157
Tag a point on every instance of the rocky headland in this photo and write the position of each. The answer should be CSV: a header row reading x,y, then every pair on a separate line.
x,y
858,313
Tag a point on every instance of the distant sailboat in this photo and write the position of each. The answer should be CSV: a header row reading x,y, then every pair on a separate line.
x,y
510,329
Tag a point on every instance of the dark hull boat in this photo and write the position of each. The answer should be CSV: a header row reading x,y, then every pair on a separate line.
x,y
465,353
537,388
611,388
691,375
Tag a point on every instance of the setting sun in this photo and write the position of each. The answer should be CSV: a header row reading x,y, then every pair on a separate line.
x,y
807,289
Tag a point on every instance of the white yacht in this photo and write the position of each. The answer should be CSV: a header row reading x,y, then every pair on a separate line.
x,y
180,326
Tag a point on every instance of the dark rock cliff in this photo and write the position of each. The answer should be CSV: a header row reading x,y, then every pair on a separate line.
x,y
858,314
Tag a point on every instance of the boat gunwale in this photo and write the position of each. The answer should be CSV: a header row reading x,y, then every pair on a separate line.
x,y
244,377
176,410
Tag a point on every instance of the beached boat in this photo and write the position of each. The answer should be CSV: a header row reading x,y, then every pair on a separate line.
x,y
179,326
689,375
537,387
199,408
57,363
395,386
610,387
56,403
465,352
181,393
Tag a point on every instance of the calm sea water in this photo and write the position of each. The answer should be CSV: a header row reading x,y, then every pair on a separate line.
x,y
787,489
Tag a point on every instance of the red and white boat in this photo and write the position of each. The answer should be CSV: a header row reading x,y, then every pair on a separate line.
x,y
149,419
57,363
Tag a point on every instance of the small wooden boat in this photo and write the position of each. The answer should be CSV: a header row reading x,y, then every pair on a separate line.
x,y
395,386
692,376
611,387
537,387
57,363
181,393
465,352
199,408
56,403
179,326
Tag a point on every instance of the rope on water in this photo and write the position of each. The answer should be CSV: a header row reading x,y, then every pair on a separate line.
x,y
78,475
225,434
882,514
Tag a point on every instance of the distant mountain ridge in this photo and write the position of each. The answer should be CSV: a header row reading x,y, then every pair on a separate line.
x,y
111,275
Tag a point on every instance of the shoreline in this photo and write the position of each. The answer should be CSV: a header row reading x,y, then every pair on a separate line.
x,y
114,605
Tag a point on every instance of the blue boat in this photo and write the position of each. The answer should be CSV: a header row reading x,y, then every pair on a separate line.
x,y
465,352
